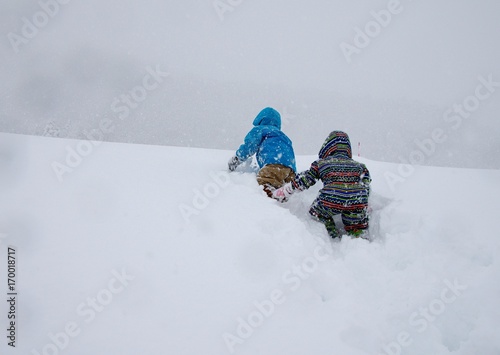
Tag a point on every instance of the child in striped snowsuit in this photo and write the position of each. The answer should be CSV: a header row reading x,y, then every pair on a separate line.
x,y
346,186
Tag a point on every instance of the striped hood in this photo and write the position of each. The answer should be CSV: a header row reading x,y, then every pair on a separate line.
x,y
336,145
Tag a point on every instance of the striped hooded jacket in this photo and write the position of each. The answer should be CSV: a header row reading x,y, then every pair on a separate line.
x,y
346,181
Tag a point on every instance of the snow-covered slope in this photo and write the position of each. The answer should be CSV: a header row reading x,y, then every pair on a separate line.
x,y
66,66
133,249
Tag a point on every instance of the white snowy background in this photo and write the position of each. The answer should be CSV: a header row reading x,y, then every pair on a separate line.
x,y
154,248
63,78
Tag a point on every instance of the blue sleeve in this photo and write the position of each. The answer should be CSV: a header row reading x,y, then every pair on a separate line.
x,y
250,145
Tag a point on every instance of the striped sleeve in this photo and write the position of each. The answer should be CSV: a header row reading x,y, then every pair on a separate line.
x,y
306,179
365,177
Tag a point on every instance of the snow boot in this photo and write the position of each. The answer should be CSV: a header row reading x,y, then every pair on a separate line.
x,y
358,233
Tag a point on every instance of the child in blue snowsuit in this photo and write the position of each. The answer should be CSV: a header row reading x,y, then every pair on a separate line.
x,y
273,150
346,186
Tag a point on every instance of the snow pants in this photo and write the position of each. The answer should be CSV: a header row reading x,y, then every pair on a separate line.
x,y
273,176
353,210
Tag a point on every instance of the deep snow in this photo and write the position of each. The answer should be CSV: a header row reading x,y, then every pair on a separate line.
x,y
63,77
158,250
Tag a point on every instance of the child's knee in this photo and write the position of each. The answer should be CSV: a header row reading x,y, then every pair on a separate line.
x,y
318,214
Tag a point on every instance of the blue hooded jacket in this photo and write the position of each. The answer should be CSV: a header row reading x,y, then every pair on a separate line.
x,y
267,141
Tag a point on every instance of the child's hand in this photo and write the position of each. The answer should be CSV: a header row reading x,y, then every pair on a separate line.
x,y
283,192
233,163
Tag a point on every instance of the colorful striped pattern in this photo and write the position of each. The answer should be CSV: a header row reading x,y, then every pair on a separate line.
x,y
336,144
346,183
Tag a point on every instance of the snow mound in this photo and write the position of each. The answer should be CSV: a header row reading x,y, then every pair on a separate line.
x,y
134,249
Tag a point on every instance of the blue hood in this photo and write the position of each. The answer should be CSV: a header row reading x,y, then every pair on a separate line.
x,y
267,142
268,117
